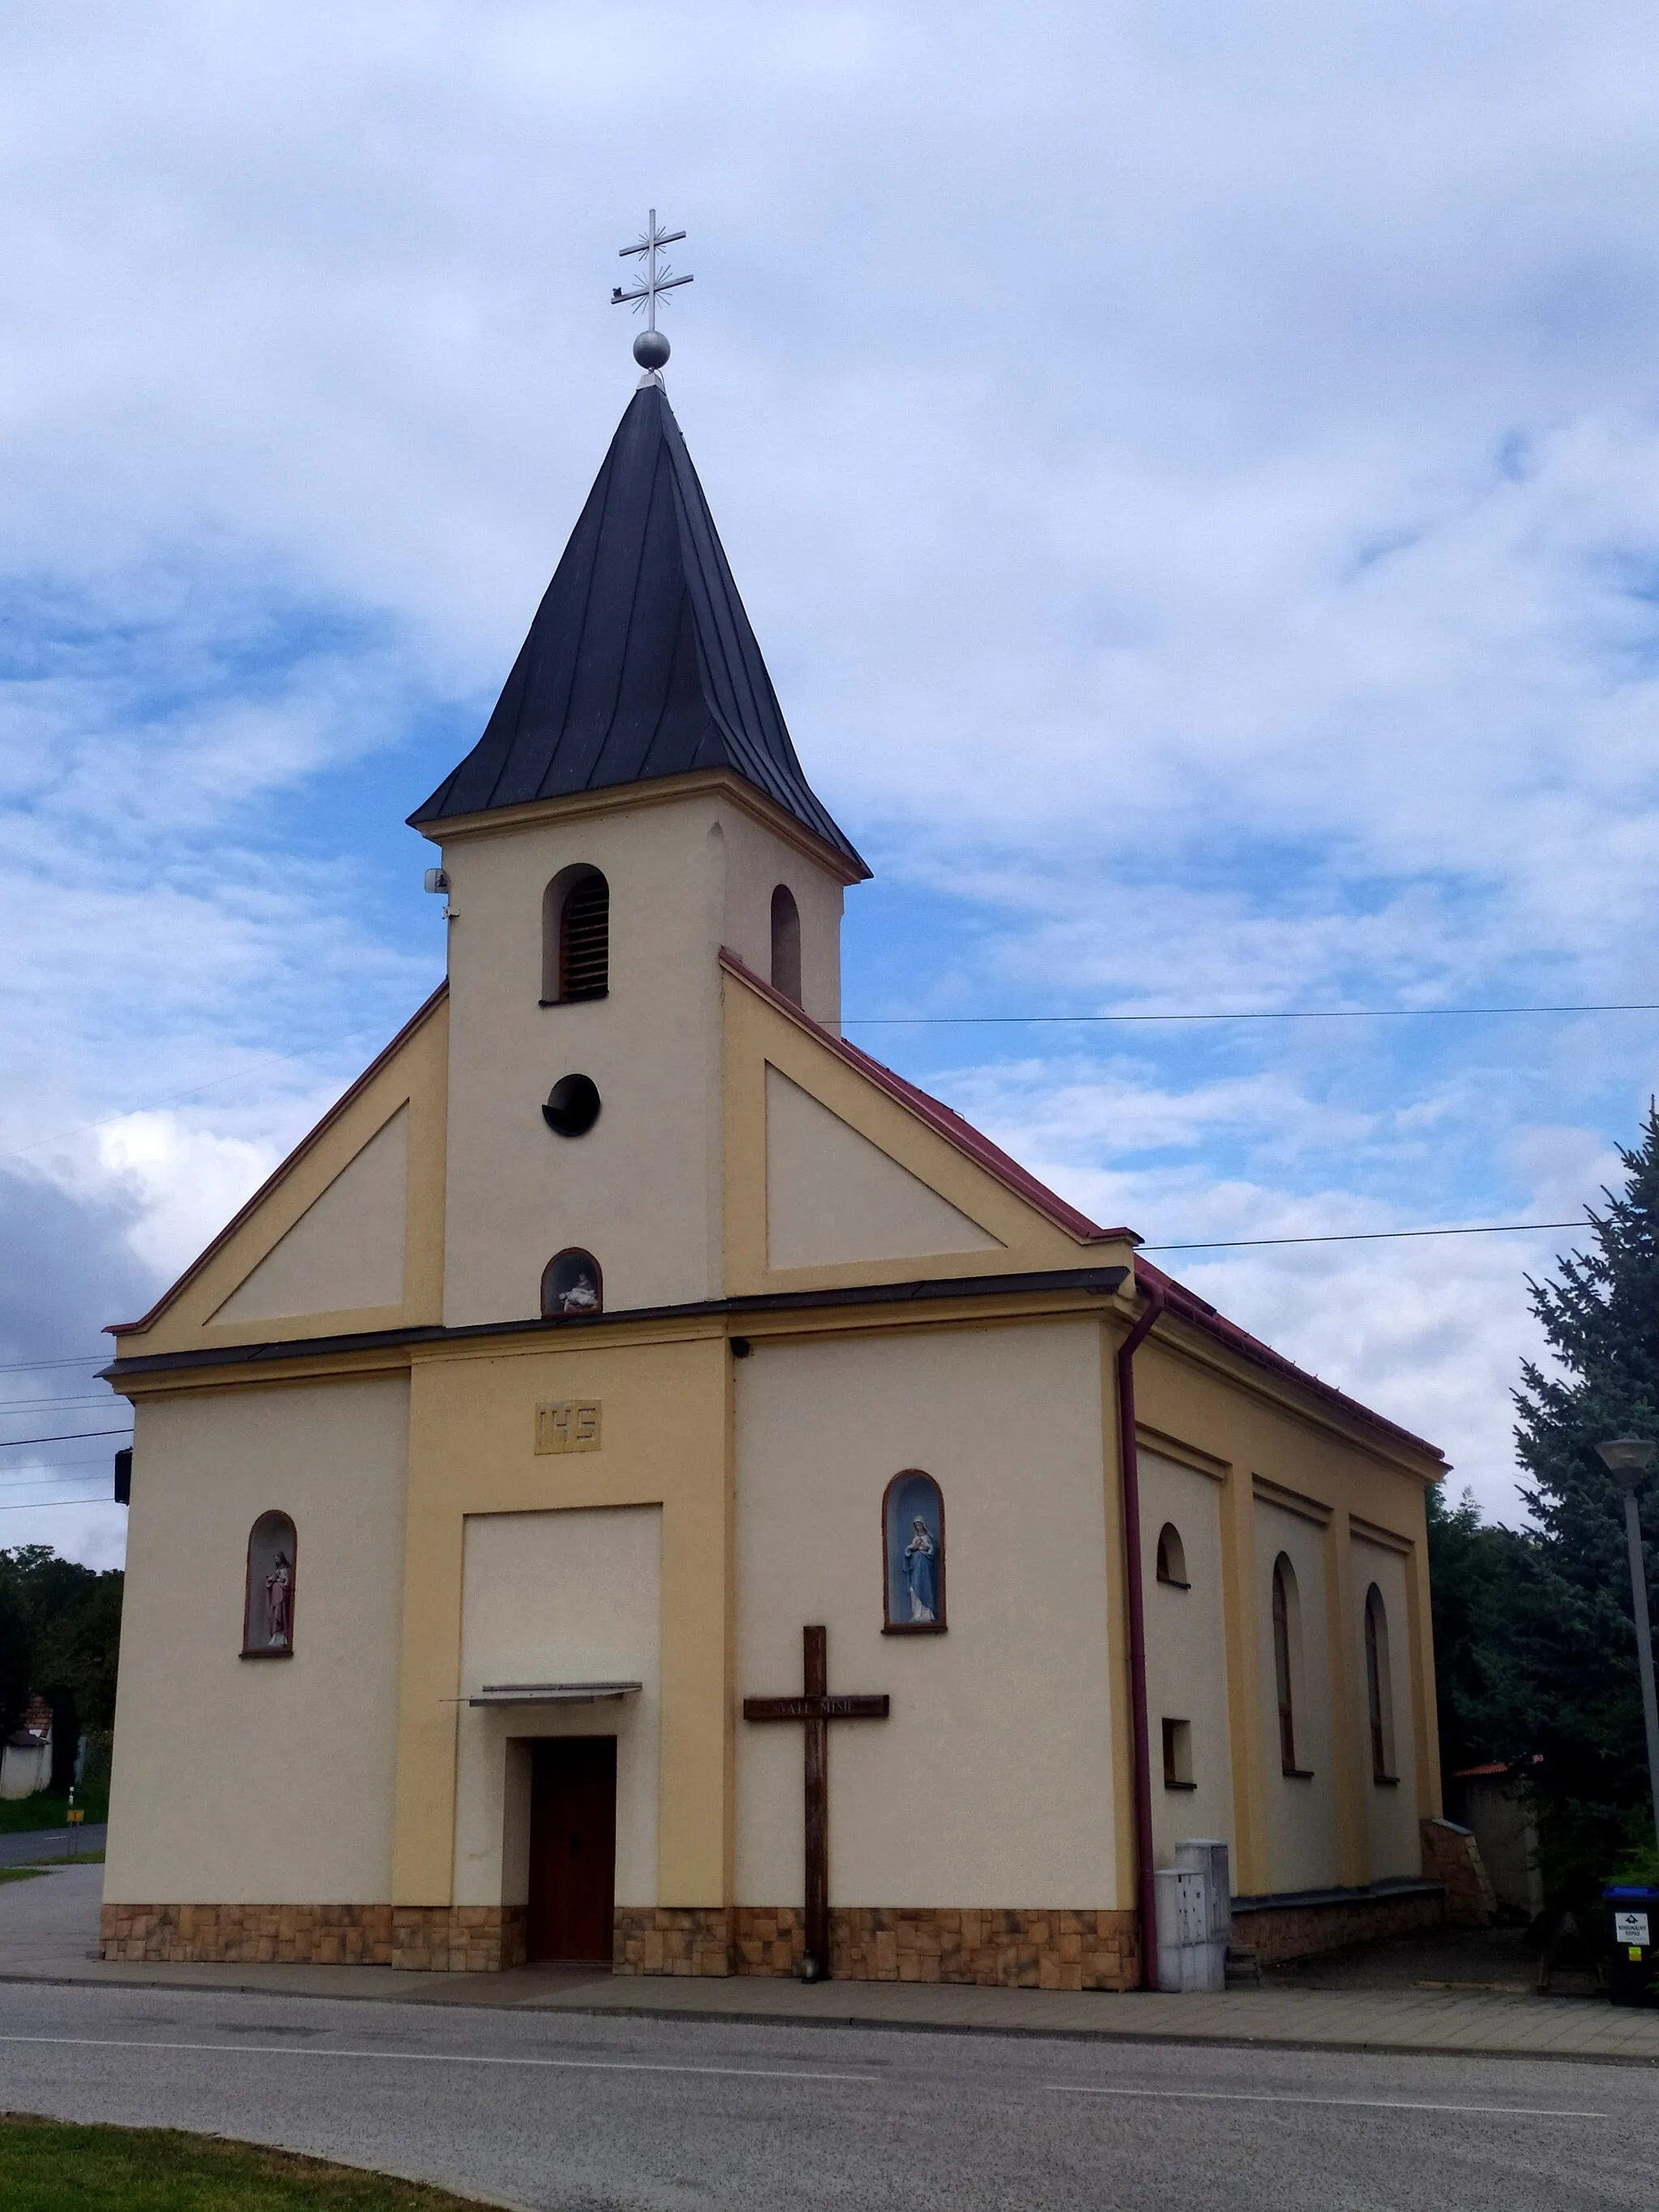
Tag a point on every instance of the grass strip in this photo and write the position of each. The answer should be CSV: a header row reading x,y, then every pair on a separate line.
x,y
21,1874
48,2166
22,1816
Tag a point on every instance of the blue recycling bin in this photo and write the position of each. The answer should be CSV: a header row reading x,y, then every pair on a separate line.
x,y
1633,1924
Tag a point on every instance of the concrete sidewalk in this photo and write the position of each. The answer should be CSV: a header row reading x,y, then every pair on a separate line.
x,y
47,1927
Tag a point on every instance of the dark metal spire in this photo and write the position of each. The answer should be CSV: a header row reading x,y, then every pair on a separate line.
x,y
641,661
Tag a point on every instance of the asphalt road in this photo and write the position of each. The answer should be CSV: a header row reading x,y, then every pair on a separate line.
x,y
29,1845
580,2112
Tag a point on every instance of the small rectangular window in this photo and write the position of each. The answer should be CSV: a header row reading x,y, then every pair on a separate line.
x,y
1178,1756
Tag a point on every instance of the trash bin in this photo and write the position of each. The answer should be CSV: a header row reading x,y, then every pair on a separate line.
x,y
1633,1922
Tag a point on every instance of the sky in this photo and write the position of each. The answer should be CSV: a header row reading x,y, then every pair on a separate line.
x,y
1194,470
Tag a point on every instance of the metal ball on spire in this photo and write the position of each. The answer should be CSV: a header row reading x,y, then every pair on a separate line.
x,y
651,348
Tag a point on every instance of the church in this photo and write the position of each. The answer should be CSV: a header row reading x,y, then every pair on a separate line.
x,y
643,1483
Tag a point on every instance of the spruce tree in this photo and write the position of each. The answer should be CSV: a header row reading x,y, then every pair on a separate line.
x,y
1569,1638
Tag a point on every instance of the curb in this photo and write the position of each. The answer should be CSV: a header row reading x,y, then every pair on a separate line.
x,y
1242,2040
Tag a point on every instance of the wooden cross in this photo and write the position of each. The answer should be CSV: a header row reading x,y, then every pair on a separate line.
x,y
817,1708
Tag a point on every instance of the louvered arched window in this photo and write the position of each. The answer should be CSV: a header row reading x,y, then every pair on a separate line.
x,y
576,937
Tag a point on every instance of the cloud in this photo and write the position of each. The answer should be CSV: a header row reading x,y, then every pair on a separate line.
x,y
64,1258
1192,470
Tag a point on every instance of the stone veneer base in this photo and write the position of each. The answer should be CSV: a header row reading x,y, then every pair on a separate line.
x,y
458,1939
248,1935
1020,1949
1280,1932
1011,1948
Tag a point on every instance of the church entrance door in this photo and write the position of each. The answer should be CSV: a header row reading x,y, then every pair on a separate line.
x,y
573,1846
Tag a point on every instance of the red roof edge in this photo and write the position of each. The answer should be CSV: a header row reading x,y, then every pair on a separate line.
x,y
951,1126
1188,1306
281,1173
1185,1304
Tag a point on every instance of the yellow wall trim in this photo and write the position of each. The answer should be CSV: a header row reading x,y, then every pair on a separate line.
x,y
1186,1455
659,790
1368,1533
1292,1501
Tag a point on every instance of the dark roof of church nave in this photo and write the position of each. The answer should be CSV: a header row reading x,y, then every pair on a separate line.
x,y
641,661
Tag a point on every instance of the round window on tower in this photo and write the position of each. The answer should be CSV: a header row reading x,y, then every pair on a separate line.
x,y
572,1106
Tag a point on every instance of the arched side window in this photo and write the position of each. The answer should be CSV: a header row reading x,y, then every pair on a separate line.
x,y
913,1550
268,1600
576,937
1379,1688
1287,1661
785,944
571,1284
1171,1557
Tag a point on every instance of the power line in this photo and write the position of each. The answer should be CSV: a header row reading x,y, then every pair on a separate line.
x,y
49,1471
40,1505
1364,1235
40,1366
50,1405
1256,1014
64,1436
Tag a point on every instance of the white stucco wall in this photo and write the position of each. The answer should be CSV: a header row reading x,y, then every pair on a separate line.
x,y
1186,1653
990,1785
1301,1814
1391,1813
571,1596
265,1781
756,861
641,1190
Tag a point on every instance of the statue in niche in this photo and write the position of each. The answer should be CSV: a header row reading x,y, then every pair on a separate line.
x,y
571,1284
279,1603
919,1554
913,1540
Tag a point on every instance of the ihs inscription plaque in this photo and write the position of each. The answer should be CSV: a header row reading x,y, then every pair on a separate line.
x,y
571,1425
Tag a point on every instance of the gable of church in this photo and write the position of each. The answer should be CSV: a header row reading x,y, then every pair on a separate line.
x,y
833,1198
839,1174
347,1236
347,1250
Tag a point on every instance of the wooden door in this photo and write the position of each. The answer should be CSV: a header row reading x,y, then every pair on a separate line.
x,y
573,1846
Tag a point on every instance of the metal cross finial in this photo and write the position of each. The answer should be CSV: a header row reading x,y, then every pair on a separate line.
x,y
651,347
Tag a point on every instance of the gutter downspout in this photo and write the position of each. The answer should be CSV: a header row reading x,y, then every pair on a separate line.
x,y
1128,1459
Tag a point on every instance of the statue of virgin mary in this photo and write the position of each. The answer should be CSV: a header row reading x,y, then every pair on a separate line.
x,y
918,1576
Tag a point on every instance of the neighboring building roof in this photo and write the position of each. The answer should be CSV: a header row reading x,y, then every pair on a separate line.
x,y
1186,1305
641,661
37,1722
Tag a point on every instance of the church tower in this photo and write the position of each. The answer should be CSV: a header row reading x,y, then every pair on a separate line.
x,y
634,804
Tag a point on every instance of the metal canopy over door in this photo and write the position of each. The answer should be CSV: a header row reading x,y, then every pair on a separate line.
x,y
573,1846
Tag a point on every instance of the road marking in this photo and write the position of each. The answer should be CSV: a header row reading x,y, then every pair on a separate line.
x,y
1365,2104
437,2058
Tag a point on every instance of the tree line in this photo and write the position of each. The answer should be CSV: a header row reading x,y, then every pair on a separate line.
x,y
60,1633
1534,1629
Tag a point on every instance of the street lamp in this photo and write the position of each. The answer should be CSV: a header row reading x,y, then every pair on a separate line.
x,y
1627,1459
